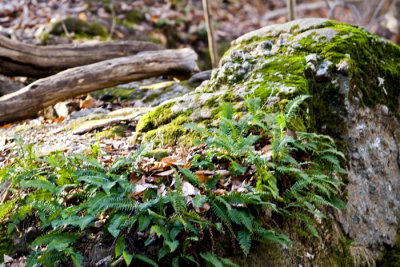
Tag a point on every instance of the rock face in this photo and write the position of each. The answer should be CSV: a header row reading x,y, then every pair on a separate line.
x,y
354,78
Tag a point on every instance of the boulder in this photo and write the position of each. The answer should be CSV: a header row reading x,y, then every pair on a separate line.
x,y
353,77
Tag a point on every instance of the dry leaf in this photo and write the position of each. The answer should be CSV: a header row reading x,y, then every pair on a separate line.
x,y
165,173
4,196
82,16
189,190
8,125
205,207
204,176
219,192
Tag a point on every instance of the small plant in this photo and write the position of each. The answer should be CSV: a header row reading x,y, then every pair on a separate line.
x,y
66,196
300,174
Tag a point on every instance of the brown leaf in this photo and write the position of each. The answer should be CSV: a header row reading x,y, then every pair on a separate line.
x,y
6,125
204,176
165,173
219,192
205,207
189,190
4,196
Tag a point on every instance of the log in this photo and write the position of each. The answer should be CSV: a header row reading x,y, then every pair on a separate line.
x,y
76,81
20,59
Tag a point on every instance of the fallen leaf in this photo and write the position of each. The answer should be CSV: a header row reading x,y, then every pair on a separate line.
x,y
165,173
82,16
189,190
7,259
161,190
4,196
223,173
204,176
8,125
205,207
219,192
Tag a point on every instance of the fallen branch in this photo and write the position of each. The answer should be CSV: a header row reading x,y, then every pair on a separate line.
x,y
81,80
20,59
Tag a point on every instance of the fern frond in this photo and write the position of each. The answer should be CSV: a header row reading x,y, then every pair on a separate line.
x,y
244,237
291,107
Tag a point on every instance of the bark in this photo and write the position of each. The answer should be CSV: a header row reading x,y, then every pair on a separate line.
x,y
20,59
80,80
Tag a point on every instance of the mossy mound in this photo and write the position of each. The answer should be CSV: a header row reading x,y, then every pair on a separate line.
x,y
326,59
353,77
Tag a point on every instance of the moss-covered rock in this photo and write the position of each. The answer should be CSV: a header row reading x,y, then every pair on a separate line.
x,y
353,77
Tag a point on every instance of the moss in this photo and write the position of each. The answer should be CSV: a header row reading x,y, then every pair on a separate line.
x,y
341,256
172,133
157,154
159,116
391,255
283,76
134,16
81,28
369,56
6,242
118,130
115,93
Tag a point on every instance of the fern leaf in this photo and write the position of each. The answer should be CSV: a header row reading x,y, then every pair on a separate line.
x,y
291,107
39,183
228,263
244,237
194,126
145,259
189,176
211,259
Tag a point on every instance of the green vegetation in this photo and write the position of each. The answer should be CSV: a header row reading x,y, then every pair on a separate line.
x,y
295,178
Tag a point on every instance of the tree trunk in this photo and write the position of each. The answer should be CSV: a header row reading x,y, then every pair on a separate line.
x,y
80,80
19,59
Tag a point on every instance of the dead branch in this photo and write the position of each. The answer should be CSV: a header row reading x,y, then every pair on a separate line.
x,y
81,80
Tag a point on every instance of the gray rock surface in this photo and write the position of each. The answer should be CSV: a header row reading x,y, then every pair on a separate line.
x,y
354,79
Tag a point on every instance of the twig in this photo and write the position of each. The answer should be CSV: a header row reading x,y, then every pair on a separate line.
x,y
113,21
212,45
66,31
291,7
301,7
376,12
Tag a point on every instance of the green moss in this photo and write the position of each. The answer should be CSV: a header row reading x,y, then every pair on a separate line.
x,y
157,154
6,244
81,28
340,256
134,17
159,116
283,76
172,133
368,56
391,255
121,94
118,130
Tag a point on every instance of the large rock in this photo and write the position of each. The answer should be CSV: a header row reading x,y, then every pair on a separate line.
x,y
354,78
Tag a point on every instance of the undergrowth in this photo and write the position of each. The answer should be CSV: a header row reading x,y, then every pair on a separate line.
x,y
291,176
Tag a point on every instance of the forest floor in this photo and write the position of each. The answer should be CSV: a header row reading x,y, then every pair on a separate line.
x,y
174,24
